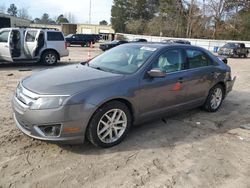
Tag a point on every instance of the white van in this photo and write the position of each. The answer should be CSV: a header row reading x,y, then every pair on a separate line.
x,y
31,44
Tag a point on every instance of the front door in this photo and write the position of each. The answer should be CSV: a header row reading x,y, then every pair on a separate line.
x,y
5,49
31,42
159,95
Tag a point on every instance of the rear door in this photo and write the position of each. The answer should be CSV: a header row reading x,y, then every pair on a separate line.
x,y
31,42
201,74
5,49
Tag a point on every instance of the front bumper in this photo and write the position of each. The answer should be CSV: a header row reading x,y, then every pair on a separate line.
x,y
74,117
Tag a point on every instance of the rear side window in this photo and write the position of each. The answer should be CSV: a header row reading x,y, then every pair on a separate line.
x,y
4,36
198,59
30,36
55,36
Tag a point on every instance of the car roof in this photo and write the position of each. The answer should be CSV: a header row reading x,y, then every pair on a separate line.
x,y
160,45
22,28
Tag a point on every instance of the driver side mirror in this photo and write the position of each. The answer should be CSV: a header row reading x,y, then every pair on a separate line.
x,y
156,73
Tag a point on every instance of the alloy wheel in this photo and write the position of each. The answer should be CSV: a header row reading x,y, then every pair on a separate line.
x,y
112,125
216,98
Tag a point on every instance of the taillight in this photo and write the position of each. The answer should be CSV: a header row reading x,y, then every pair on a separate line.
x,y
228,76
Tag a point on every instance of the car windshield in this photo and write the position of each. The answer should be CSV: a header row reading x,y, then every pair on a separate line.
x,y
123,59
230,45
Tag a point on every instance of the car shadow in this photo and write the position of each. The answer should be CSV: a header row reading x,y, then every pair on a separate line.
x,y
182,128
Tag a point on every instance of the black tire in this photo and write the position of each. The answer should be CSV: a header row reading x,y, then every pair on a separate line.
x,y
49,58
92,130
208,104
83,44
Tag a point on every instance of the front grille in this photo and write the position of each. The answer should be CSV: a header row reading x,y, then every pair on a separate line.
x,y
24,95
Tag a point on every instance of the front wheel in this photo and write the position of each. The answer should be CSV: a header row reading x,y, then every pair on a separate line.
x,y
49,58
214,99
109,125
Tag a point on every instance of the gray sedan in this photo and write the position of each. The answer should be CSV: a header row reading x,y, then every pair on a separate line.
x,y
101,99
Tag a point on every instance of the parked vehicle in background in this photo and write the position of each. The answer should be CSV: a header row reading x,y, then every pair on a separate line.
x,y
233,49
112,44
127,85
81,39
139,40
176,41
31,44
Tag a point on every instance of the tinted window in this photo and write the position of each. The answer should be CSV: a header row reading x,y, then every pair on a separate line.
x,y
197,59
55,36
229,45
170,61
4,36
30,36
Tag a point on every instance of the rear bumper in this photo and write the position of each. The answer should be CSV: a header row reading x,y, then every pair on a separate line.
x,y
64,53
230,84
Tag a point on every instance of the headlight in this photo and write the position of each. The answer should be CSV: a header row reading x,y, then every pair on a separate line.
x,y
48,102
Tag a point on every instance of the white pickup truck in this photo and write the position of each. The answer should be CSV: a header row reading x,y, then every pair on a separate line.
x,y
32,44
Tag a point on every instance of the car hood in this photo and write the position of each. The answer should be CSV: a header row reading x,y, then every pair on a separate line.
x,y
68,80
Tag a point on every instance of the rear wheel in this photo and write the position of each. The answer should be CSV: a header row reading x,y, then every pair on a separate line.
x,y
214,99
109,125
49,58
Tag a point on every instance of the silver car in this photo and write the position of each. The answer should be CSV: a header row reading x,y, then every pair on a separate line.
x,y
101,99
32,44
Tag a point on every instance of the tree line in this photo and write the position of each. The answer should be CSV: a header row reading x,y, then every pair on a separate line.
x,y
13,10
23,13
212,19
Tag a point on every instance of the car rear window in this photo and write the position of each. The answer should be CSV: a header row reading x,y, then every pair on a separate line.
x,y
55,36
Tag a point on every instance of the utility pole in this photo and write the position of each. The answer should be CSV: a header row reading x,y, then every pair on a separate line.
x,y
90,6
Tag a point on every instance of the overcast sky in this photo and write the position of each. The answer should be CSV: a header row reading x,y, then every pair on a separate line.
x,y
101,9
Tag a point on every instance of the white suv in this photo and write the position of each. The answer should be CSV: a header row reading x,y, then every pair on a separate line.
x,y
31,44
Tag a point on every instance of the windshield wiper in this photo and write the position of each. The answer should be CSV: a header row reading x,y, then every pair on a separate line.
x,y
105,69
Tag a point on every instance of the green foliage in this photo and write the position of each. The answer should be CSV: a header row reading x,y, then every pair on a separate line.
x,y
12,10
62,19
218,19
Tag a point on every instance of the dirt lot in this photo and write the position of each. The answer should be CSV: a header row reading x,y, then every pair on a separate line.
x,y
191,149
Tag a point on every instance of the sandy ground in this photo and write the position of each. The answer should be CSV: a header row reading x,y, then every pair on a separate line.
x,y
191,149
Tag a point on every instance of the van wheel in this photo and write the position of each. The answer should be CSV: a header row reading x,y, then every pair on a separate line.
x,y
214,99
109,124
49,58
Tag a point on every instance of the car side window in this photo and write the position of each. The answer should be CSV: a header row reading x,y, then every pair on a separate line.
x,y
4,36
170,61
31,36
55,36
197,58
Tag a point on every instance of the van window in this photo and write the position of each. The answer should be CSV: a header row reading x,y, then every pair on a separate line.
x,y
197,58
55,36
4,36
31,36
